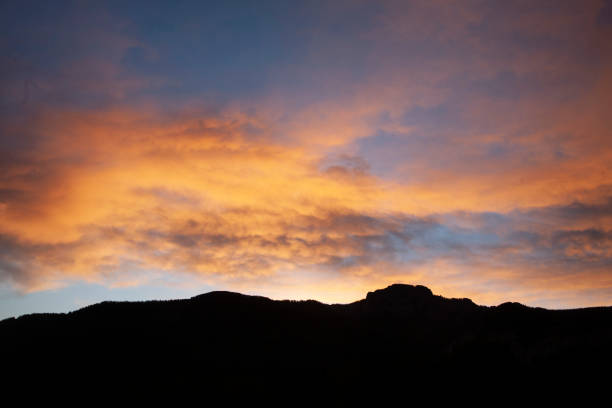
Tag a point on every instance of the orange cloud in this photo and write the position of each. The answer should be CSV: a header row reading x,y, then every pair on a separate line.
x,y
101,195
478,169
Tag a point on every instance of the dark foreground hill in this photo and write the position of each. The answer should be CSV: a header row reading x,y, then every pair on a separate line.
x,y
401,337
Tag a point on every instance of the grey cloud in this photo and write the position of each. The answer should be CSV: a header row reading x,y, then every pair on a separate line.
x,y
335,239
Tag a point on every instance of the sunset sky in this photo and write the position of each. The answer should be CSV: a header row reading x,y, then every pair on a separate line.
x,y
305,149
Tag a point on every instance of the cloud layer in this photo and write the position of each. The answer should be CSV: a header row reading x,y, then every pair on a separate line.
x,y
463,146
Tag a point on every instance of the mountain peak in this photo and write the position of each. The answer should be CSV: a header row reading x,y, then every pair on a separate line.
x,y
512,306
401,292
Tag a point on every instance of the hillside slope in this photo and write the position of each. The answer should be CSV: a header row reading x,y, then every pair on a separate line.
x,y
221,340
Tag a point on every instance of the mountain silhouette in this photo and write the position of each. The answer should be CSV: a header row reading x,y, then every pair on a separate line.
x,y
396,337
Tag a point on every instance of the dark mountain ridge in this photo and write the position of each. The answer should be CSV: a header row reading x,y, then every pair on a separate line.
x,y
399,335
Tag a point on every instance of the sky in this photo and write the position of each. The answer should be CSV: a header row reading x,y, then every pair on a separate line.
x,y
305,150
